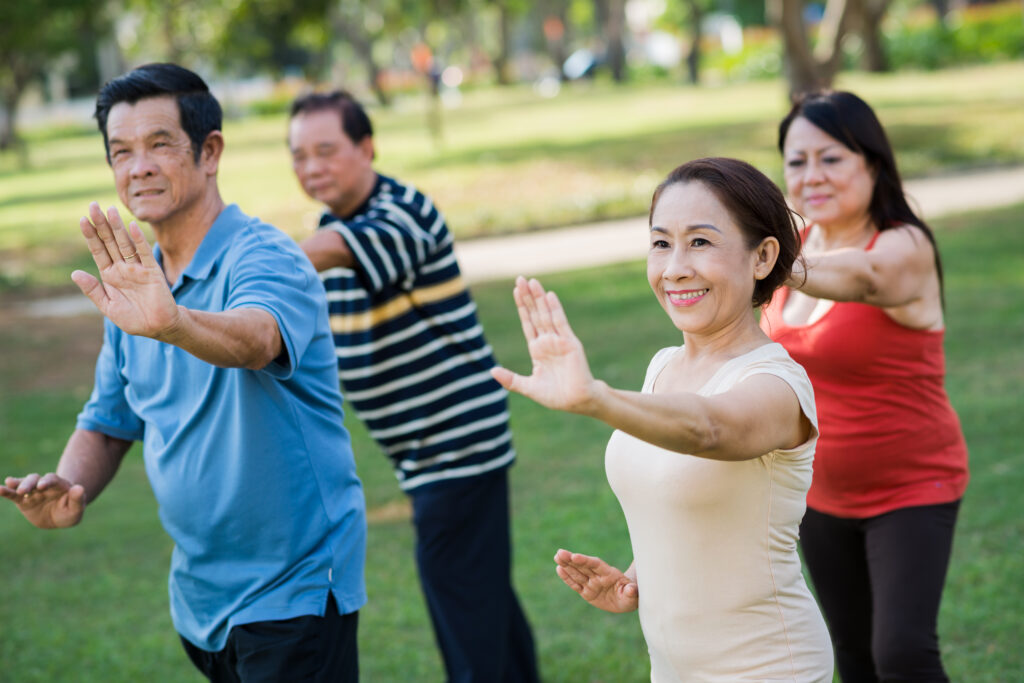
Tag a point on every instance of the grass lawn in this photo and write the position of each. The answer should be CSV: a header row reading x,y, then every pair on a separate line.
x,y
90,604
510,160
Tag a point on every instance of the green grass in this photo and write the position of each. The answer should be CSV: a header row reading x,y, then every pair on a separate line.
x,y
90,604
510,160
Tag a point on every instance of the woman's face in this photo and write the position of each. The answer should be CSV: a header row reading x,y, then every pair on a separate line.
x,y
828,183
699,265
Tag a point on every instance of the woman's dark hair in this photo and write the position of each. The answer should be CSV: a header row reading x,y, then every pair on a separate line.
x,y
354,120
754,202
851,121
200,113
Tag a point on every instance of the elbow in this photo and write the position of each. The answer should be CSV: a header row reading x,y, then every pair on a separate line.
x,y
707,438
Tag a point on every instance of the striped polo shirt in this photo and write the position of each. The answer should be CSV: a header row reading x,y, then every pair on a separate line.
x,y
412,356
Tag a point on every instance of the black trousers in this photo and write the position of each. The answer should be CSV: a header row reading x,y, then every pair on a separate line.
x,y
464,556
311,648
879,581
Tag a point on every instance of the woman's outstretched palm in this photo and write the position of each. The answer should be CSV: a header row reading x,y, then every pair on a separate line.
x,y
561,377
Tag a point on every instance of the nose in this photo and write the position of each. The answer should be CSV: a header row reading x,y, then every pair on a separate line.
x,y
814,172
142,165
678,265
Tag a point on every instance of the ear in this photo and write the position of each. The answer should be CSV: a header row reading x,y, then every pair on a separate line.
x,y
366,148
209,157
765,255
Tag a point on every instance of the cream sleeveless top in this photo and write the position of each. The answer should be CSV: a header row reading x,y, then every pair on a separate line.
x,y
722,596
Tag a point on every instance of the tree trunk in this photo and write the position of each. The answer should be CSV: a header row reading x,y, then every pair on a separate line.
x,y
614,28
500,61
806,69
693,56
363,46
872,13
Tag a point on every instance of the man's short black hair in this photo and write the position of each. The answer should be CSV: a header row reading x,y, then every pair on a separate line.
x,y
354,120
200,113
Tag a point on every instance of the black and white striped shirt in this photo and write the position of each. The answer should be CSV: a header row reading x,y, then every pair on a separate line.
x,y
412,356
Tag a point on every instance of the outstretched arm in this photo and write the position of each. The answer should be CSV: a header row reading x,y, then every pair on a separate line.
x,y
58,499
758,415
597,582
133,293
896,272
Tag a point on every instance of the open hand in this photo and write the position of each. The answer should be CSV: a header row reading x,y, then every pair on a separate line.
x,y
49,502
597,582
131,290
561,377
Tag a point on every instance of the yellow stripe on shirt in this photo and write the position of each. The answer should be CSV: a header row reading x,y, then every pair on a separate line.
x,y
357,322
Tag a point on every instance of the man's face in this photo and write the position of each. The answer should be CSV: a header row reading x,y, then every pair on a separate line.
x,y
330,167
155,171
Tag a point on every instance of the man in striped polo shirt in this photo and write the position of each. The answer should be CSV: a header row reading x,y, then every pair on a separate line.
x,y
414,364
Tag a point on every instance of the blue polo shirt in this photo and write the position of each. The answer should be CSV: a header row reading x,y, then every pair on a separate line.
x,y
252,469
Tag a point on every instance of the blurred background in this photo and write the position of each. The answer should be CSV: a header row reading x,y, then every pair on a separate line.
x,y
514,116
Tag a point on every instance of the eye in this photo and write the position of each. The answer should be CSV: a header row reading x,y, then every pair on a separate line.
x,y
659,244
795,163
699,242
832,160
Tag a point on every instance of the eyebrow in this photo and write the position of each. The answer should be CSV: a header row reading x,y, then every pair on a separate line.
x,y
159,133
823,149
688,228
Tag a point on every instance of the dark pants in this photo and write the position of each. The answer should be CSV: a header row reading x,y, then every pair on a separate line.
x,y
308,648
464,555
879,581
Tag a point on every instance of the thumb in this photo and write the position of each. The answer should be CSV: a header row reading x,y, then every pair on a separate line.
x,y
504,377
91,287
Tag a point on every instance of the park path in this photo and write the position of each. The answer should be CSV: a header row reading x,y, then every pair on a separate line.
x,y
579,246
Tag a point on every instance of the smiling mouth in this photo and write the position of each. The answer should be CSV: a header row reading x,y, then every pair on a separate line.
x,y
148,193
683,297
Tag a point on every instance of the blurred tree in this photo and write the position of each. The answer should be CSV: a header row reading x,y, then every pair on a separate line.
x,y
508,11
611,19
280,36
32,36
185,32
808,68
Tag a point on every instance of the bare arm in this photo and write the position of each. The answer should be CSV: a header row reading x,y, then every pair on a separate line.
x,y
895,272
759,415
57,500
326,248
133,293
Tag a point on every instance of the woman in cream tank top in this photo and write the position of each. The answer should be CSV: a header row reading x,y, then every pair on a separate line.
x,y
712,460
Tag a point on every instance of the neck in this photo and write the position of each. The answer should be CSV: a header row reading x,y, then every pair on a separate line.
x,y
347,206
181,234
734,339
855,233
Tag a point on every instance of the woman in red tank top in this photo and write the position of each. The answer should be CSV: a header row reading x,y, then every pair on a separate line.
x,y
865,319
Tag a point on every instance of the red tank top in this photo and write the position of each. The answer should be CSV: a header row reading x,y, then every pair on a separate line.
x,y
889,436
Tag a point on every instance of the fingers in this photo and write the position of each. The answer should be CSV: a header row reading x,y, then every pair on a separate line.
x,y
125,247
142,247
108,240
96,246
520,293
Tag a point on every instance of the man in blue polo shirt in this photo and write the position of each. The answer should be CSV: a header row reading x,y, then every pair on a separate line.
x,y
217,354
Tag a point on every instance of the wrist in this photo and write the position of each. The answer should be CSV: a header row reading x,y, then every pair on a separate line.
x,y
175,330
592,405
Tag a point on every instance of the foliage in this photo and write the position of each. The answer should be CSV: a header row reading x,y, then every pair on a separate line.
x,y
32,36
93,600
975,34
